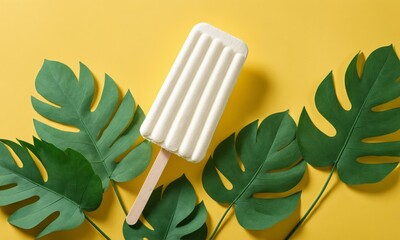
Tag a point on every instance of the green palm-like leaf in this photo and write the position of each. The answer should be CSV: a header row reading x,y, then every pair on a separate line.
x,y
378,84
271,160
105,134
72,185
173,214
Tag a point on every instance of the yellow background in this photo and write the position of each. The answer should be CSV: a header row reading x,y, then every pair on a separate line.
x,y
292,46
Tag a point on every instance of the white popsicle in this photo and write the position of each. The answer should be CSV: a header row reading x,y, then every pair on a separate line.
x,y
186,111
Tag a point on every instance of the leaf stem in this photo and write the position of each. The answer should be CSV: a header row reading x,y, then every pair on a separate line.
x,y
220,222
118,196
313,204
97,228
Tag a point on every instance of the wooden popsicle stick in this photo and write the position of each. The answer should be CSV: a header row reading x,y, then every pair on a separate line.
x,y
148,186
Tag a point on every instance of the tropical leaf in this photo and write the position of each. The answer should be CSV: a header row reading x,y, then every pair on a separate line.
x,y
105,135
272,164
378,84
172,214
72,185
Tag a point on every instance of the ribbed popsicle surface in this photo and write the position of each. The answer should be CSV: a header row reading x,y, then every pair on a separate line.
x,y
190,103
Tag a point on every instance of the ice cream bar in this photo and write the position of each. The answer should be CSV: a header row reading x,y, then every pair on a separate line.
x,y
186,111
189,105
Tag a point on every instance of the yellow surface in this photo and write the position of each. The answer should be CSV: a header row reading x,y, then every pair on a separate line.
x,y
292,46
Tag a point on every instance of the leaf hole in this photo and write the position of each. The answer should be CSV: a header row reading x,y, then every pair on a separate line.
x,y
360,64
131,148
146,223
17,161
129,126
36,230
40,166
395,103
378,159
43,224
341,94
44,100
96,95
7,186
111,117
275,195
241,165
227,184
51,123
320,122
60,126
391,137
9,209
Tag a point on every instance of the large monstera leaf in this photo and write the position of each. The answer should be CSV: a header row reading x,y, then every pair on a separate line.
x,y
104,135
377,85
72,185
172,214
272,163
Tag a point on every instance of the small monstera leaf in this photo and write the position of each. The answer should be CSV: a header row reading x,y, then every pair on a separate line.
x,y
272,164
172,214
105,135
72,185
378,84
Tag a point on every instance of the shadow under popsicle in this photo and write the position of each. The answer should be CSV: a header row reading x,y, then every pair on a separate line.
x,y
250,90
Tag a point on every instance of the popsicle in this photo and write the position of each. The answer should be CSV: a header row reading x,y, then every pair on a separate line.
x,y
187,109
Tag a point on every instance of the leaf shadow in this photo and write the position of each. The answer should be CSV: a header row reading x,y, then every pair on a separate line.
x,y
330,188
281,229
208,223
303,182
8,210
227,220
99,88
98,92
84,231
104,210
132,187
388,183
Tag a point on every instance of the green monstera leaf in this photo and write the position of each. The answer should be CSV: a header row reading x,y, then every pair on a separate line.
x,y
271,163
72,185
172,214
104,135
368,117
378,84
